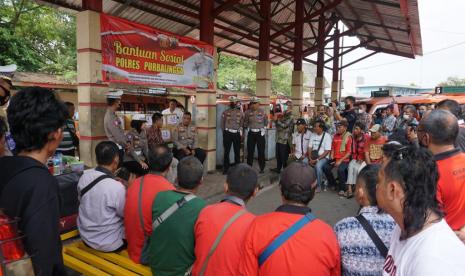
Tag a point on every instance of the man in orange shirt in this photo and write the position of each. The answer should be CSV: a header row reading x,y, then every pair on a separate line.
x,y
138,208
291,241
341,149
438,131
220,228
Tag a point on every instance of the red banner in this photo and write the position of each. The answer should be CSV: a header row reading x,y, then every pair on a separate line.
x,y
138,54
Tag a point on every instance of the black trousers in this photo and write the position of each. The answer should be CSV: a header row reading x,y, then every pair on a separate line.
x,y
231,139
342,172
255,138
282,154
199,154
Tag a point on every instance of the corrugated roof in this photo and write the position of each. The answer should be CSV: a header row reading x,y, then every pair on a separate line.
x,y
390,26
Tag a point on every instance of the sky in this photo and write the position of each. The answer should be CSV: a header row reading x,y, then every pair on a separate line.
x,y
442,25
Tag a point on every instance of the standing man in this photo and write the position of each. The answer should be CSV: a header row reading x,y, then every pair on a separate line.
x,y
390,121
186,140
112,124
256,120
348,113
174,111
454,108
284,129
438,131
70,142
408,117
231,124
291,240
6,76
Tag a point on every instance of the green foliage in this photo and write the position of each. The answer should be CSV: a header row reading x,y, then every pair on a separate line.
x,y
37,38
453,81
238,74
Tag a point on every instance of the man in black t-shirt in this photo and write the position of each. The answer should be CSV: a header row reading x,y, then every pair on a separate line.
x,y
27,189
348,113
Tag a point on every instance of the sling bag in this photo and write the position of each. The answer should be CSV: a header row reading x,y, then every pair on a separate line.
x,y
144,254
171,210
93,183
314,154
373,236
283,237
218,239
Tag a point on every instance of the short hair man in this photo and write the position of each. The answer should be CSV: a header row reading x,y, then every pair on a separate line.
x,y
171,247
422,111
438,131
363,116
319,148
112,124
101,202
389,122
352,235
300,142
185,138
229,216
142,193
309,247
174,111
341,149
360,138
454,108
373,146
70,141
408,117
422,243
28,190
348,114
256,120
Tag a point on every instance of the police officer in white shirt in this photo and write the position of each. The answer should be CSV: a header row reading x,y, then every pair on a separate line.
x,y
300,142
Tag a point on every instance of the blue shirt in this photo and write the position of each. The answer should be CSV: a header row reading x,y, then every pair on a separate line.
x,y
359,254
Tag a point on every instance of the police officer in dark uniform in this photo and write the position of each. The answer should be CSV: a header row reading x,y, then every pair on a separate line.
x,y
256,120
231,124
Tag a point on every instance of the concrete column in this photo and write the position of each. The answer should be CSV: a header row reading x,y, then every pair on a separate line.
x,y
263,74
206,120
297,91
91,89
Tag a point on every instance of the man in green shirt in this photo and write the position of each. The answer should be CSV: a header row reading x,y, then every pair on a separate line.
x,y
171,247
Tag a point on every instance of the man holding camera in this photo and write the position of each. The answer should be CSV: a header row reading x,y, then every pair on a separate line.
x,y
319,148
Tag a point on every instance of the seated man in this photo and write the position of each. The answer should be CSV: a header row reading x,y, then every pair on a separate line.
x,y
101,202
358,156
186,140
422,243
340,153
300,142
291,241
352,232
373,146
319,148
171,248
139,199
230,215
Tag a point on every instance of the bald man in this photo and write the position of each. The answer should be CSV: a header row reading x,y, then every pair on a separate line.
x,y
438,131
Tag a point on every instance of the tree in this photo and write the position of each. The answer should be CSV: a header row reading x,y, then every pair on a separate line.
x,y
453,81
37,38
281,79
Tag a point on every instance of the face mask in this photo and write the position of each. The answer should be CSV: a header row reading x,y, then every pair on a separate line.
x,y
406,117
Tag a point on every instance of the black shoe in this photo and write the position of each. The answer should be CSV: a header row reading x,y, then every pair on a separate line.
x,y
275,170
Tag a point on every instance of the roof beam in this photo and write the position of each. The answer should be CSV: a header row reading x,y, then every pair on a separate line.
x,y
385,39
405,12
374,24
328,7
362,44
384,3
387,51
358,60
315,48
380,18
225,6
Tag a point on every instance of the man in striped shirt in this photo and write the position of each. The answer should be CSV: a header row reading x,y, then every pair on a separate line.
x,y
68,145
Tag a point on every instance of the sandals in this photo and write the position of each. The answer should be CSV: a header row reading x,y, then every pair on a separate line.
x,y
349,195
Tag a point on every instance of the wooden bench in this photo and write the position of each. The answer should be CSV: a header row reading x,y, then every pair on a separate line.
x,y
88,261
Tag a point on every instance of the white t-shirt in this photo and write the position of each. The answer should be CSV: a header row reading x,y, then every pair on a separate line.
x,y
315,142
301,143
171,121
432,252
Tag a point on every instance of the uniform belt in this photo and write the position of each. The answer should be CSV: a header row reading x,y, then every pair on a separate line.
x,y
255,129
232,130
